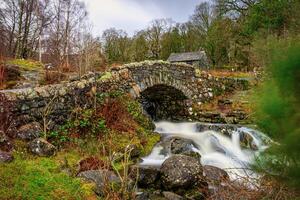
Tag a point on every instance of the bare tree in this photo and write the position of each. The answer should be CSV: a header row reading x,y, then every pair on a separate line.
x,y
154,35
203,17
234,8
21,22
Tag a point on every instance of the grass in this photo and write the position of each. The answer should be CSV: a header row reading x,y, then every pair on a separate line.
x,y
27,65
30,177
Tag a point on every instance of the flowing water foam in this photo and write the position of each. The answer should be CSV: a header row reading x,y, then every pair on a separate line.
x,y
215,148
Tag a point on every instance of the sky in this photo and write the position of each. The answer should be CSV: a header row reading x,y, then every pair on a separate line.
x,y
134,15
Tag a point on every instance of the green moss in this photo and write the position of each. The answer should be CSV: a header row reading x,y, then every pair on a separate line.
x,y
39,178
152,140
27,65
106,76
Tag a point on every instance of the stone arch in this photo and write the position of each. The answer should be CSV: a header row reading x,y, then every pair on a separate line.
x,y
164,102
162,79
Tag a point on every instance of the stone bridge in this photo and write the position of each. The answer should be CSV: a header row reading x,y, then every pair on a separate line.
x,y
155,83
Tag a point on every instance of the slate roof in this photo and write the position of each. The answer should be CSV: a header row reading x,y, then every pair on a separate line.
x,y
188,56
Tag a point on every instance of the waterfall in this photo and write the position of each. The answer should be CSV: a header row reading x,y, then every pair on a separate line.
x,y
216,149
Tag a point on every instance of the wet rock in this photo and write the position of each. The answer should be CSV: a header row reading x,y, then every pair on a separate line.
x,y
215,175
180,145
5,157
146,176
41,147
29,131
172,196
180,171
246,141
101,178
210,117
5,144
135,151
225,129
236,117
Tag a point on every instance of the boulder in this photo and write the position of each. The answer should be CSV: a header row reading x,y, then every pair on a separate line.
x,y
41,147
172,196
29,131
215,175
180,171
177,145
5,144
101,178
5,157
146,176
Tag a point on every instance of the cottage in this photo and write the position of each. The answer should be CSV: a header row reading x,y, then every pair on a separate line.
x,y
197,59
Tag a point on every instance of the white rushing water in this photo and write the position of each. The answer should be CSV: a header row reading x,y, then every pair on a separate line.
x,y
215,148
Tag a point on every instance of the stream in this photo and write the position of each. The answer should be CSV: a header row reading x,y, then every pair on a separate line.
x,y
216,148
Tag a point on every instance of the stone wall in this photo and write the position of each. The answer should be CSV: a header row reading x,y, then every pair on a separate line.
x,y
56,102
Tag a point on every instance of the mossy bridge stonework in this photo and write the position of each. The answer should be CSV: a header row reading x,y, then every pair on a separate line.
x,y
154,80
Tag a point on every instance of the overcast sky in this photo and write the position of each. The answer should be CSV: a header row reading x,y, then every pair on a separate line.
x,y
133,15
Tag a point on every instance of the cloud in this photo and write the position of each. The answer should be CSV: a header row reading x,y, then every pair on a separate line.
x,y
133,15
122,14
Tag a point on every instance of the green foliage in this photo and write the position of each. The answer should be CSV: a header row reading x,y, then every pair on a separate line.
x,y
263,47
171,43
218,42
113,94
139,47
116,43
27,65
272,16
278,111
136,111
86,124
39,178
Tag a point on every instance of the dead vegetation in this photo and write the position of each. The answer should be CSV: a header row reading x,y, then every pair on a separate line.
x,y
117,117
52,77
249,188
91,163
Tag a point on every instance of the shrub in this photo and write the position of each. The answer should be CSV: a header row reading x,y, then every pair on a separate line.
x,y
85,123
51,77
92,163
278,113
